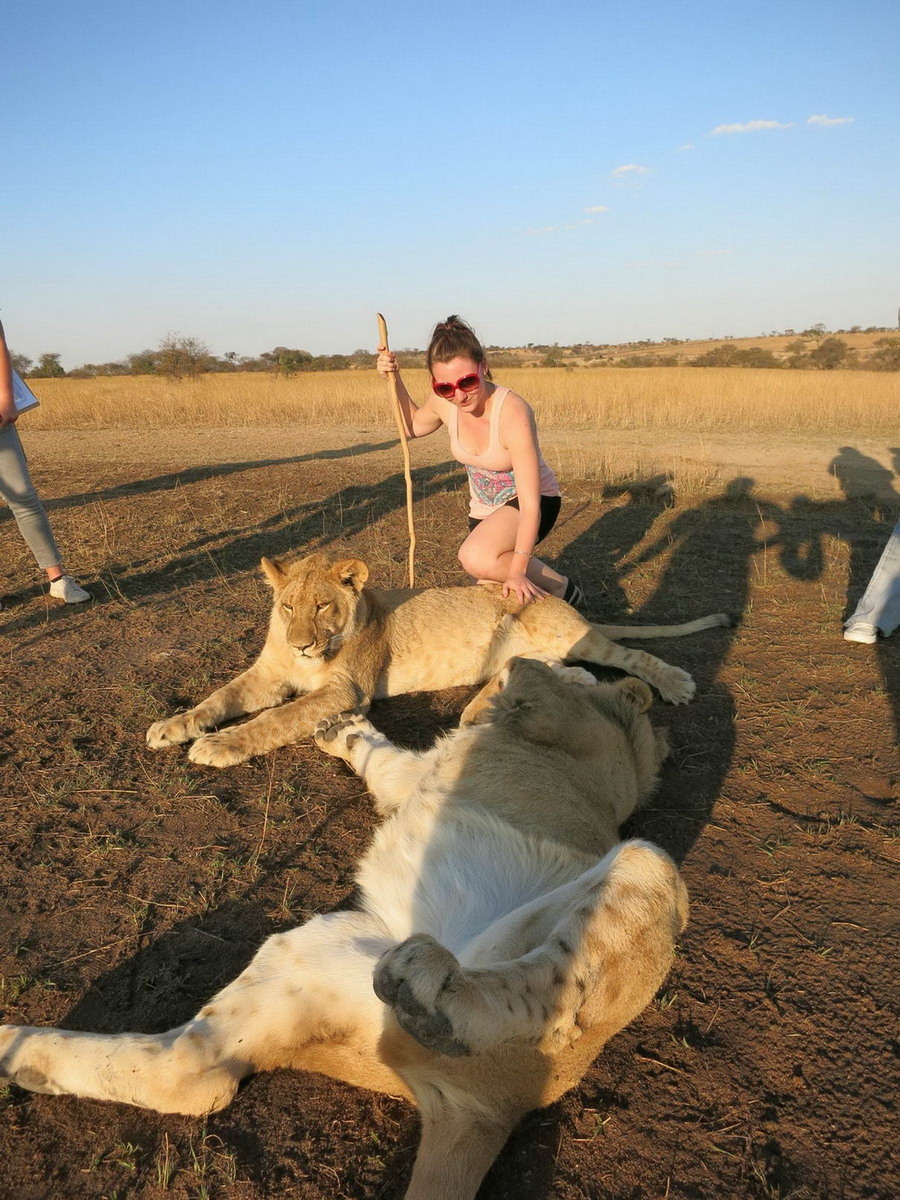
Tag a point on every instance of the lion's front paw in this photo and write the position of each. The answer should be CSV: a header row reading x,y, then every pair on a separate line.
x,y
226,748
676,686
412,979
336,735
175,731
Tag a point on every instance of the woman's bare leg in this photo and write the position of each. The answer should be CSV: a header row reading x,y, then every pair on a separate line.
x,y
487,553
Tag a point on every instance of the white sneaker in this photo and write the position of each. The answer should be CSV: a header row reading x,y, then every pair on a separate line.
x,y
65,588
859,631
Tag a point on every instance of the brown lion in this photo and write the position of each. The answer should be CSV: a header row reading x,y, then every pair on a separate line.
x,y
334,645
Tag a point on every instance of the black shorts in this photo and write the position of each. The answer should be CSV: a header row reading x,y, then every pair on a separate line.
x,y
550,506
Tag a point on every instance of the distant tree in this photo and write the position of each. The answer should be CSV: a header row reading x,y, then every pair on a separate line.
x,y
328,362
145,362
719,356
179,357
648,360
829,354
796,355
20,362
285,361
734,356
886,356
48,367
756,356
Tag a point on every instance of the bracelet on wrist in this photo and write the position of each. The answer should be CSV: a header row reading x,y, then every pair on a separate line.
x,y
525,553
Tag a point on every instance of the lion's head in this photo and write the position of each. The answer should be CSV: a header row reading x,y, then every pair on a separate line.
x,y
317,602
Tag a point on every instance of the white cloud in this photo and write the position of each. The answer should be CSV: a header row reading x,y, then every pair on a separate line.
x,y
687,146
630,170
750,127
821,119
597,208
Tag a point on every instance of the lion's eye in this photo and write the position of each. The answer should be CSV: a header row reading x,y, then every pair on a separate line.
x,y
323,604
288,608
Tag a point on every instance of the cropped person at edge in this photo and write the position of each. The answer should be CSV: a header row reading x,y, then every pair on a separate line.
x,y
19,493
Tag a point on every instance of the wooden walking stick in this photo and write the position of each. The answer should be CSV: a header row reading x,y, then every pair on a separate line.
x,y
404,445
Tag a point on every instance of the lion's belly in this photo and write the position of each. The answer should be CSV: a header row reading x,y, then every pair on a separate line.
x,y
453,875
464,660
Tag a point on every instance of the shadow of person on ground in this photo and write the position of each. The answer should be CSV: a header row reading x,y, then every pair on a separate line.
x,y
863,518
870,498
21,596
302,529
711,552
594,557
199,474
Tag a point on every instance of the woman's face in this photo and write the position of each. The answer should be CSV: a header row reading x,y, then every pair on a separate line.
x,y
460,369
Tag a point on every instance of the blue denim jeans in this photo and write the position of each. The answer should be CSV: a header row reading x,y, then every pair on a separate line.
x,y
18,491
880,602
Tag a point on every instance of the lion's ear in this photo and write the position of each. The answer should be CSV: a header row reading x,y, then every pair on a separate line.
x,y
351,572
637,692
274,571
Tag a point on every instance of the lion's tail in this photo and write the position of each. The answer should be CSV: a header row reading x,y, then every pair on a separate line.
x,y
616,632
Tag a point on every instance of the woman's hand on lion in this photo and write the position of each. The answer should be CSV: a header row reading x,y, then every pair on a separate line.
x,y
518,584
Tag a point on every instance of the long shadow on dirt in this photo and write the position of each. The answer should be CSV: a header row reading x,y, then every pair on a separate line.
x,y
315,525
863,518
188,475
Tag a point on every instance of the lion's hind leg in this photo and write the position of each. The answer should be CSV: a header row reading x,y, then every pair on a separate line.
x,y
303,988
591,952
557,630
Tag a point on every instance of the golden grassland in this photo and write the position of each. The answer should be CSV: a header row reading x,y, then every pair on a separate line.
x,y
676,398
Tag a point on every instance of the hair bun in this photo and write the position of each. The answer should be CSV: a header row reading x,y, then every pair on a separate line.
x,y
451,339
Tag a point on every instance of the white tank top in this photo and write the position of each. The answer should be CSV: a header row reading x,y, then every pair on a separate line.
x,y
492,482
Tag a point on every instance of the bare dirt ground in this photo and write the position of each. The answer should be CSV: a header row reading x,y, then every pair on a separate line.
x,y
135,884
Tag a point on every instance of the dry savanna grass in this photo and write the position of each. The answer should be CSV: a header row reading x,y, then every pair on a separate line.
x,y
676,398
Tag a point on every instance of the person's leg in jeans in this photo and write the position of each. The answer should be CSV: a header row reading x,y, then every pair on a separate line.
x,y
19,493
879,606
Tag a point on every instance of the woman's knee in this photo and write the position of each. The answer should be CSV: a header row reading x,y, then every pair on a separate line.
x,y
475,562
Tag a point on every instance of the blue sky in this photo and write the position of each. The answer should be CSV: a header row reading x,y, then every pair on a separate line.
x,y
275,173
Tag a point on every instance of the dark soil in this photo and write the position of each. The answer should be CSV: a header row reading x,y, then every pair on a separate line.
x,y
135,884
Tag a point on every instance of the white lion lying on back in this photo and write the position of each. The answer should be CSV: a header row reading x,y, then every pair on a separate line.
x,y
506,933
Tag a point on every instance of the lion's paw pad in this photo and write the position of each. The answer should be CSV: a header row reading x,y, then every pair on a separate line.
x,y
677,687
337,735
411,979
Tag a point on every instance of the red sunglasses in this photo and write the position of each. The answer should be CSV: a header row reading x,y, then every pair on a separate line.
x,y
468,383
